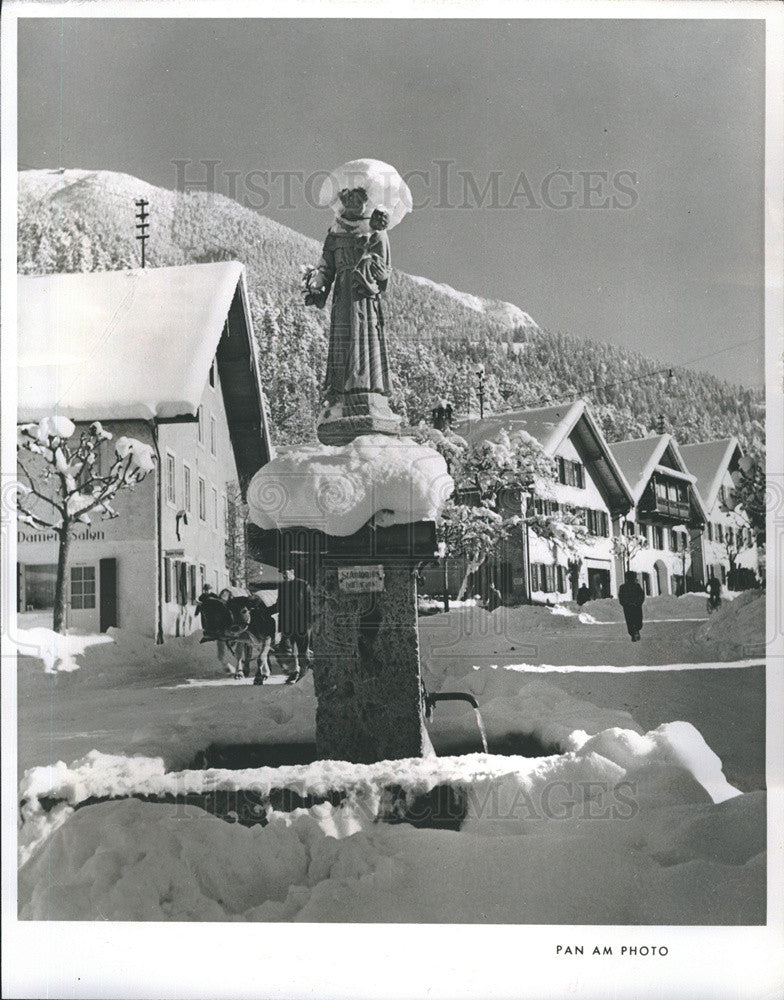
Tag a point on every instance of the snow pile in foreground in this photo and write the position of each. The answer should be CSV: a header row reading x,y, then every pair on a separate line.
x,y
741,622
621,829
58,653
338,489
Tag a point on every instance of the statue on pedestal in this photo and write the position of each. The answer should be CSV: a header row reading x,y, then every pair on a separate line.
x,y
368,198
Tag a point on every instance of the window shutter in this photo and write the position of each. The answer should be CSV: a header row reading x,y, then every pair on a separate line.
x,y
166,578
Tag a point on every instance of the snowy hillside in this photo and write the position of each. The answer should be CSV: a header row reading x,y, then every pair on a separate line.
x,y
504,312
81,220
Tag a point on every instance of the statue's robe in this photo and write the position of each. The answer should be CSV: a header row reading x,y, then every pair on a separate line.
x,y
356,264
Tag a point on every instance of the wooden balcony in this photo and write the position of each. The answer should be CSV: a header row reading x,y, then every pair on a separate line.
x,y
674,510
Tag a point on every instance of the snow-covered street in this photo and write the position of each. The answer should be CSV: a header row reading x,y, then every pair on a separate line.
x,y
627,784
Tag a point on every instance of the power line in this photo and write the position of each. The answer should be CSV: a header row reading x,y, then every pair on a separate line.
x,y
668,369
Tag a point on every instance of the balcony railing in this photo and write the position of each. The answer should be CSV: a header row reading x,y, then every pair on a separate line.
x,y
677,509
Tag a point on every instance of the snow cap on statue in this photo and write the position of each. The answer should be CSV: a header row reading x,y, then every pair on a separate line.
x,y
384,186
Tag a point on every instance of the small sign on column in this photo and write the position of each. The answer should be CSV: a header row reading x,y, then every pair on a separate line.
x,y
361,579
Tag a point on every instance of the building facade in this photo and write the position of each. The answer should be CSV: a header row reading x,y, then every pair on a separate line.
x,y
184,344
588,481
725,550
667,512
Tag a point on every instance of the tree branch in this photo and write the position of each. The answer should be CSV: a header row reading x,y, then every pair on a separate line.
x,y
36,493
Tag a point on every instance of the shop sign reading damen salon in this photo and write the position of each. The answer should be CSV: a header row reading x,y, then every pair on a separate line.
x,y
85,535
361,579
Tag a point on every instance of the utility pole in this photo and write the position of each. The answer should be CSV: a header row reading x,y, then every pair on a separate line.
x,y
142,225
480,372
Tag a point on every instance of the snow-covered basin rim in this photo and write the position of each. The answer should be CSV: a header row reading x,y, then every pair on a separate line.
x,y
546,668
98,775
104,775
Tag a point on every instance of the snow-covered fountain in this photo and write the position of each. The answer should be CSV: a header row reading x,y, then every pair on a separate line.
x,y
366,495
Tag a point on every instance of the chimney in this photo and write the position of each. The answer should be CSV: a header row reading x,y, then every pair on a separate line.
x,y
660,424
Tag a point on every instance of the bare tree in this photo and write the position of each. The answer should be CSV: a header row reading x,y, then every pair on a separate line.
x,y
61,487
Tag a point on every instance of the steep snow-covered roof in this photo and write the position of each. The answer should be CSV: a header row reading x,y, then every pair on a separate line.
x,y
121,344
641,457
638,459
708,461
550,426
138,345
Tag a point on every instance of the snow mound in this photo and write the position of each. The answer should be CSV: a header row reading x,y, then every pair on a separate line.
x,y
740,622
676,744
617,831
339,489
608,609
58,653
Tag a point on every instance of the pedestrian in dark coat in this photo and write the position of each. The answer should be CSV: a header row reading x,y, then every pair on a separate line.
x,y
295,614
631,595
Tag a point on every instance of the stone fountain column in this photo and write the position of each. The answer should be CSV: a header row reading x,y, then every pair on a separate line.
x,y
366,663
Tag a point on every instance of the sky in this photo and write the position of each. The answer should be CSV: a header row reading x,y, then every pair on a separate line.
x,y
605,176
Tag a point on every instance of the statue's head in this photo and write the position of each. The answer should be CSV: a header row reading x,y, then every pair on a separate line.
x,y
353,201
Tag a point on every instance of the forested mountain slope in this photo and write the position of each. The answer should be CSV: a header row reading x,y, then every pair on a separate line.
x,y
76,220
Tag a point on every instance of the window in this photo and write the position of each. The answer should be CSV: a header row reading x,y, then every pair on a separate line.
x,y
661,489
723,572
730,537
658,536
215,507
192,583
561,579
82,587
201,424
213,436
171,489
212,373
180,582
720,533
674,541
202,576
39,583
545,507
186,488
628,529
598,523
202,500
709,527
166,578
571,473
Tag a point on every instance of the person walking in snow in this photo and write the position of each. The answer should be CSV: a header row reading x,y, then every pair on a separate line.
x,y
714,595
632,596
295,618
